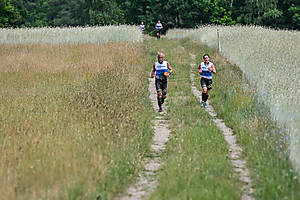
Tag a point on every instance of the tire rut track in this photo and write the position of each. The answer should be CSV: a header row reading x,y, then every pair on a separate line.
x,y
147,179
239,165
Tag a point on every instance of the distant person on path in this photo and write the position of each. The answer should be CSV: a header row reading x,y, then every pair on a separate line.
x,y
158,27
142,27
161,71
206,70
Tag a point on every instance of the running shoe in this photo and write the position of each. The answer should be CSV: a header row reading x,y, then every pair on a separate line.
x,y
204,105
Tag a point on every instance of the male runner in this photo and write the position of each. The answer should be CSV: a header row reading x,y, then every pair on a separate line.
x,y
206,69
142,27
158,27
162,71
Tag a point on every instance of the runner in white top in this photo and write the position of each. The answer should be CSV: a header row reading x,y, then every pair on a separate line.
x,y
158,27
142,27
161,71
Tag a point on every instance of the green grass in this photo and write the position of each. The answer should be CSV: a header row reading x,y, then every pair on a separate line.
x,y
196,161
264,142
268,58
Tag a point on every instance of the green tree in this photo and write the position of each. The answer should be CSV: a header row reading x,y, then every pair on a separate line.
x,y
36,13
294,11
221,12
19,6
9,15
273,13
291,14
64,12
187,14
258,11
101,12
172,13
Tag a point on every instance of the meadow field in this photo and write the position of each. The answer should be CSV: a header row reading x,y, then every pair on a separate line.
x,y
74,118
270,60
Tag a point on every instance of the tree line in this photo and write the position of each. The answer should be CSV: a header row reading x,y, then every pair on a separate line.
x,y
283,14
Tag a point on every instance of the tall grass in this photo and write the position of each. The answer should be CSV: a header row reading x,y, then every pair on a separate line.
x,y
71,35
270,60
74,120
262,140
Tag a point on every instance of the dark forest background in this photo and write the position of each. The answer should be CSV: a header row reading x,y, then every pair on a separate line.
x,y
283,14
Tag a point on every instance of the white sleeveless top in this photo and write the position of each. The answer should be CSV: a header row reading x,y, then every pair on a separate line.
x,y
160,69
205,72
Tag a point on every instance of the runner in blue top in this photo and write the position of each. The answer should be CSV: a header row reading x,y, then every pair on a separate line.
x,y
161,71
206,70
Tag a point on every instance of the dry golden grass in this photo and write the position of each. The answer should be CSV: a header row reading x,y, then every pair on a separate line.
x,y
72,123
77,58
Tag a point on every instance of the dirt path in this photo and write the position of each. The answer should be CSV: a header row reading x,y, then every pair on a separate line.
x,y
236,152
147,180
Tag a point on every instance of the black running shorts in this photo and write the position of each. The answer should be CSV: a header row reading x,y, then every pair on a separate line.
x,y
206,83
161,85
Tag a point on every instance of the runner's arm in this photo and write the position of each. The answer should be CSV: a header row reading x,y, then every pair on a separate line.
x,y
199,69
213,69
153,71
169,68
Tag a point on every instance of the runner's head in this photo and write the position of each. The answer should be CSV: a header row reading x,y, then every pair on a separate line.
x,y
160,57
206,57
142,23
